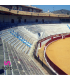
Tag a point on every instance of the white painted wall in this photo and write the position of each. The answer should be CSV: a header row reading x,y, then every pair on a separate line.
x,y
31,19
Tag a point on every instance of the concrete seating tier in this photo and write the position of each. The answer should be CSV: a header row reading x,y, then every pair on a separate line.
x,y
21,63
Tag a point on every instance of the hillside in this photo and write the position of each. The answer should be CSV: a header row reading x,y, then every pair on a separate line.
x,y
62,11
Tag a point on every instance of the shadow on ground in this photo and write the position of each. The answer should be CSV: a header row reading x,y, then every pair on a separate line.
x,y
1,71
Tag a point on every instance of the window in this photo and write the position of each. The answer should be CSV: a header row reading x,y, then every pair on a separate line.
x,y
20,8
36,20
14,7
30,10
24,20
12,20
43,20
19,20
34,10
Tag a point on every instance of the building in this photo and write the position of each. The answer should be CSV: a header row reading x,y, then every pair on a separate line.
x,y
20,42
23,8
22,14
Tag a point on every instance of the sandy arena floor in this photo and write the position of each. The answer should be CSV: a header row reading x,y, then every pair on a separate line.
x,y
59,53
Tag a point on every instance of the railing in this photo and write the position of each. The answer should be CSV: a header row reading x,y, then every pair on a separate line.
x,y
52,65
57,69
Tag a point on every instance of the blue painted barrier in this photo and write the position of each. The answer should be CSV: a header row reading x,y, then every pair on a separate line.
x,y
68,26
20,38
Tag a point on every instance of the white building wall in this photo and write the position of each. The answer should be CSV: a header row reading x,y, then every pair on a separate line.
x,y
40,19
29,19
1,18
13,17
6,18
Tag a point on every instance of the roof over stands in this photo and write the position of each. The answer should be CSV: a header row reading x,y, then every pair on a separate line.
x,y
23,13
31,7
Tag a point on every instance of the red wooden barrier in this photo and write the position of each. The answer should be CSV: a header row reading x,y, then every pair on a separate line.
x,y
57,69
40,44
51,37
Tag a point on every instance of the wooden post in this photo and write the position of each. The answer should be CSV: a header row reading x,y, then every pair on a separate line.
x,y
51,37
40,44
63,37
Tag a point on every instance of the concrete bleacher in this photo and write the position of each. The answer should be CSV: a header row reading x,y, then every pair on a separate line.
x,y
48,29
18,52
21,63
24,36
13,40
30,33
12,45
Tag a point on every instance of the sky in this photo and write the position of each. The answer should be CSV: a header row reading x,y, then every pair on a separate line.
x,y
52,7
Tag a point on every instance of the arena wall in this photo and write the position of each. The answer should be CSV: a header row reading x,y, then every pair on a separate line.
x,y
47,41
